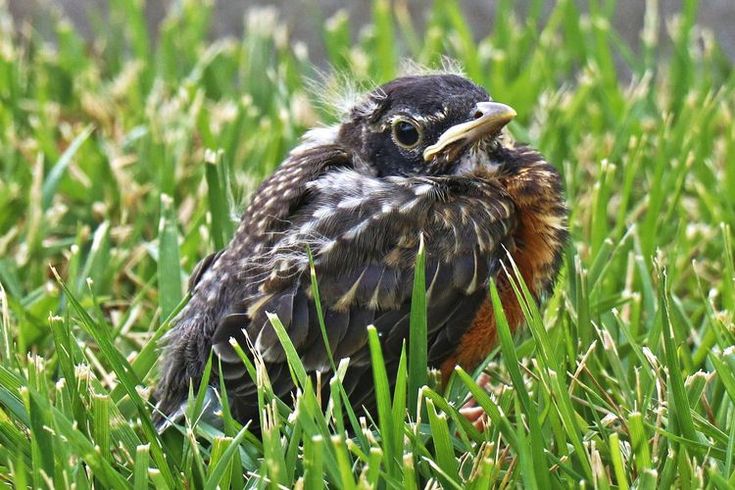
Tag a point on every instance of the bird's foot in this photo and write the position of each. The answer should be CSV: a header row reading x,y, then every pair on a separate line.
x,y
472,411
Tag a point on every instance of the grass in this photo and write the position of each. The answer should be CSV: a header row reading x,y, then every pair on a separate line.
x,y
125,160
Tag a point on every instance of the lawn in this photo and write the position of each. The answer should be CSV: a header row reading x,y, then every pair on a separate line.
x,y
125,160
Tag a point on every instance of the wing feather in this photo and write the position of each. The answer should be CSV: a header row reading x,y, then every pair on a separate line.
x,y
364,234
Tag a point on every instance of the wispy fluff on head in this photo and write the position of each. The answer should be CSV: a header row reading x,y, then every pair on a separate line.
x,y
338,92
447,66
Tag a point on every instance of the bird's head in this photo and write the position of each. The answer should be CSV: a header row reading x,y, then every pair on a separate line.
x,y
430,124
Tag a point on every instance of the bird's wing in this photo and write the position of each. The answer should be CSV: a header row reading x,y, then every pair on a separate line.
x,y
223,279
364,234
277,198
201,268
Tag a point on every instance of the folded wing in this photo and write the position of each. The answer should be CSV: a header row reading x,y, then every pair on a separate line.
x,y
364,234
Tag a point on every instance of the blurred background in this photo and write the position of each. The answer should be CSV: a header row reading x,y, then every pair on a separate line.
x,y
305,18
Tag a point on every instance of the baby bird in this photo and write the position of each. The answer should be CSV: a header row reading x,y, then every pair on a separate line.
x,y
421,158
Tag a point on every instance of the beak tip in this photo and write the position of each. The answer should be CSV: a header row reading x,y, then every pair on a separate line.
x,y
494,109
502,111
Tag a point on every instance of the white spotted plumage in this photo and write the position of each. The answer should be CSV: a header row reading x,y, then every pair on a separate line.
x,y
360,212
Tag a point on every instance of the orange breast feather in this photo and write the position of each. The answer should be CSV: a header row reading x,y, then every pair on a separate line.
x,y
534,255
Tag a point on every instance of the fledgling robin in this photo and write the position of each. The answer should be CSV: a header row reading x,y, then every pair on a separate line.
x,y
418,156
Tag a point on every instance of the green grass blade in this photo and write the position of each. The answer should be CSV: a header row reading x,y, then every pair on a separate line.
x,y
617,462
51,183
418,344
313,462
540,469
169,268
222,227
383,402
127,378
140,472
680,407
223,464
443,448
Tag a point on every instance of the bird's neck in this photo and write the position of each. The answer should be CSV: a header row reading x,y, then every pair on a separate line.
x,y
536,189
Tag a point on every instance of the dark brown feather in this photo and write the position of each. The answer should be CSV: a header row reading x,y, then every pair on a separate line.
x,y
362,207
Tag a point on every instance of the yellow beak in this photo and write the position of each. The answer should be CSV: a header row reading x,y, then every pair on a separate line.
x,y
490,117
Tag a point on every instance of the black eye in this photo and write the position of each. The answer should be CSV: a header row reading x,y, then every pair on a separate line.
x,y
406,133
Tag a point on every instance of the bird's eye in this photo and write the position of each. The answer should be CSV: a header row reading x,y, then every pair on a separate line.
x,y
406,133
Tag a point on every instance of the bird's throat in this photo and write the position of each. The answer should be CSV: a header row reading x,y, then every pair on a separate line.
x,y
535,248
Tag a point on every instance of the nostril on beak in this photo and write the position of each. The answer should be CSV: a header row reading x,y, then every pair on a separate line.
x,y
493,111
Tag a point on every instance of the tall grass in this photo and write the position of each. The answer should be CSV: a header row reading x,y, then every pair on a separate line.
x,y
125,160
